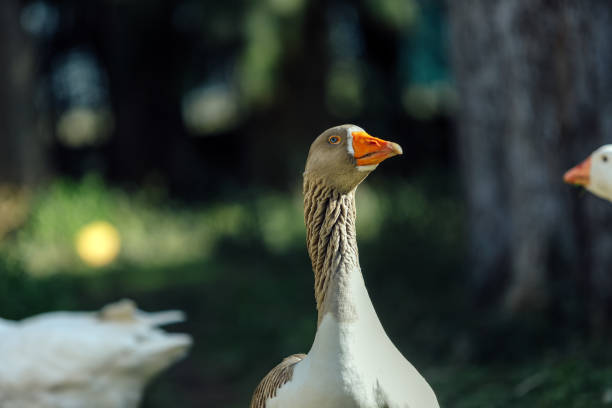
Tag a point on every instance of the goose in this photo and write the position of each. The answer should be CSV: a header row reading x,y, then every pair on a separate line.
x,y
352,362
594,173
85,359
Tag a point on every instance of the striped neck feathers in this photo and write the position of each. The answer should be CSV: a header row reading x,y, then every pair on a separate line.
x,y
331,240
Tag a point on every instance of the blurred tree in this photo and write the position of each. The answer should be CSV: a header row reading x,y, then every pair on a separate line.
x,y
535,90
21,148
186,93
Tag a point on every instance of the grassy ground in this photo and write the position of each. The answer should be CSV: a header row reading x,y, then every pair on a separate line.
x,y
239,268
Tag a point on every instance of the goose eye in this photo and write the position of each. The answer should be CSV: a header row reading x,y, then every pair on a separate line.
x,y
604,158
334,139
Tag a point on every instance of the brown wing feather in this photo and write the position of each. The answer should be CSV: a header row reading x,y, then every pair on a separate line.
x,y
278,376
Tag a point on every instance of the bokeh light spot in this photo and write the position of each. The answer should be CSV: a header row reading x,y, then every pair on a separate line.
x,y
98,243
81,126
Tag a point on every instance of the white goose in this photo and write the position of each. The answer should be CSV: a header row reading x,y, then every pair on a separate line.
x,y
352,362
594,173
85,359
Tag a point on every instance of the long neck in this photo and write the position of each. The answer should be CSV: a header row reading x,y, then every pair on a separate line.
x,y
332,245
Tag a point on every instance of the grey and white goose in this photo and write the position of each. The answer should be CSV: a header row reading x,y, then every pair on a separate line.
x,y
352,362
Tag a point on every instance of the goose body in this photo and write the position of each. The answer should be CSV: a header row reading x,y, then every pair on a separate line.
x,y
85,359
352,362
594,173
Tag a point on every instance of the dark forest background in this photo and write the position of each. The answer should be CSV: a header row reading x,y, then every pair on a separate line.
x,y
185,125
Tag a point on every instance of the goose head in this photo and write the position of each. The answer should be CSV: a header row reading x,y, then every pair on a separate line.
x,y
343,156
594,173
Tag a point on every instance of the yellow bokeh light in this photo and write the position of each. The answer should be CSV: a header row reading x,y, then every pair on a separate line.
x,y
98,243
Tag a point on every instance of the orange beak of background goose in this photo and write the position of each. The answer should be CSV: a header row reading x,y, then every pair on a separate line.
x,y
580,174
370,150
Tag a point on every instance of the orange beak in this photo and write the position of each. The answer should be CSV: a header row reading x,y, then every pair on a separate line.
x,y
370,150
580,174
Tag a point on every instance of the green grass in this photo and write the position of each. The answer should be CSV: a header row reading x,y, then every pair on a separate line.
x,y
238,267
579,378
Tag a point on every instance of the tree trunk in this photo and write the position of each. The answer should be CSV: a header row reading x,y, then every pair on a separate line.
x,y
535,90
21,138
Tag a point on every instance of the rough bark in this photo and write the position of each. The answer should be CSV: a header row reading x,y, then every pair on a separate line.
x,y
535,90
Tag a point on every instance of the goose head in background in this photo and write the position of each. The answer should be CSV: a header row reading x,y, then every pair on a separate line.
x,y
594,173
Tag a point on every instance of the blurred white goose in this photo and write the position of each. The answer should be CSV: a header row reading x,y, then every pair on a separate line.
x,y
85,359
594,173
